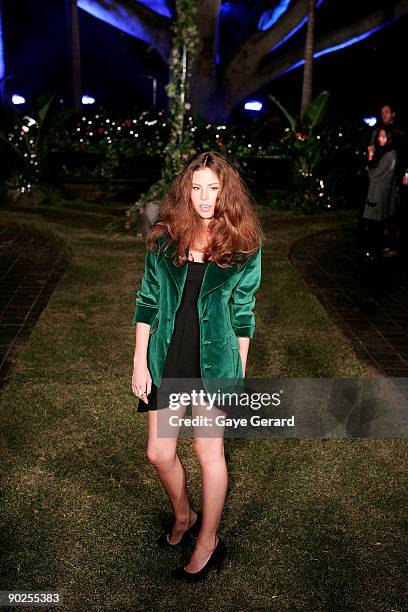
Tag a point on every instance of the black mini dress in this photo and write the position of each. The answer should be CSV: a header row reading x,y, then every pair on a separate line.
x,y
183,355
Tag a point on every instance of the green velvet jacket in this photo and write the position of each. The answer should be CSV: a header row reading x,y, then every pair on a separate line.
x,y
225,309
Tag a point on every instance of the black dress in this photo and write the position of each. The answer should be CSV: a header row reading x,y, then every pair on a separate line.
x,y
183,355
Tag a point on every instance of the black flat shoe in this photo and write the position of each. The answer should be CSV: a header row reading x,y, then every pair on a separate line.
x,y
216,560
194,529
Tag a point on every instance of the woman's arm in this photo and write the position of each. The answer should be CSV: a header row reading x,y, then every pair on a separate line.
x,y
243,351
242,304
147,298
141,379
147,305
242,300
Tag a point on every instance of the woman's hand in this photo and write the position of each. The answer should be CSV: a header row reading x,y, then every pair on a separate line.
x,y
141,380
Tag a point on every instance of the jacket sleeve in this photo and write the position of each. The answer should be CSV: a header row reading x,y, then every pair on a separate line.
x,y
243,299
147,298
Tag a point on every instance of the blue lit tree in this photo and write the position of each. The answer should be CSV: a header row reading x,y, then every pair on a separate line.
x,y
228,71
220,83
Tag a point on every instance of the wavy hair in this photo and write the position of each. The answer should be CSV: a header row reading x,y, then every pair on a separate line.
x,y
235,231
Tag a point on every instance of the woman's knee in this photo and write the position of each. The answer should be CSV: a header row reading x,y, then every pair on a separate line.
x,y
209,450
160,455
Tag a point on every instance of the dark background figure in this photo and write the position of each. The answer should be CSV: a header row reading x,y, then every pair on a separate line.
x,y
380,207
398,227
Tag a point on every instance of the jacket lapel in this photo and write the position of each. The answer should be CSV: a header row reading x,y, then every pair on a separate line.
x,y
214,276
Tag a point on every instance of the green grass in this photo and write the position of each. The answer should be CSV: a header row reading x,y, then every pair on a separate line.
x,y
310,524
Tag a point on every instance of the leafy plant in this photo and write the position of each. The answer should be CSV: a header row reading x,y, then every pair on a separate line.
x,y
307,149
27,141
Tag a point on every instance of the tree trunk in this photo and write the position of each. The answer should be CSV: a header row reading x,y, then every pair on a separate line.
x,y
205,89
74,53
307,88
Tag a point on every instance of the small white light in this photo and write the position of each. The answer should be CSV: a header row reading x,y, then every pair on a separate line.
x,y
17,99
88,100
371,121
30,121
253,105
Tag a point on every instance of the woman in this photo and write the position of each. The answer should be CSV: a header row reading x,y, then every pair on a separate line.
x,y
382,196
194,320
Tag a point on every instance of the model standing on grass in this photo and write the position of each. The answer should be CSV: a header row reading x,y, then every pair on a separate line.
x,y
194,319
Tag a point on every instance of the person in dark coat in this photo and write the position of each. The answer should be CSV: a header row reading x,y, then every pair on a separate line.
x,y
399,139
380,207
398,230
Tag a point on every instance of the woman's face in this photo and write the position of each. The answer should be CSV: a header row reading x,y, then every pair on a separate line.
x,y
382,138
204,191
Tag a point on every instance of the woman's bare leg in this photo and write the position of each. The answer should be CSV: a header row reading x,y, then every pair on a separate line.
x,y
161,452
214,477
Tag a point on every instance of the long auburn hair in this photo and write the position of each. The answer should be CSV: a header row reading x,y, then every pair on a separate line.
x,y
235,232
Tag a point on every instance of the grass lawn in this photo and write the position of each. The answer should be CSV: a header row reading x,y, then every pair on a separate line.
x,y
310,524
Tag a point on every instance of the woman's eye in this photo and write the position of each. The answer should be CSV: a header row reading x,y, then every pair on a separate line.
x,y
195,188
214,188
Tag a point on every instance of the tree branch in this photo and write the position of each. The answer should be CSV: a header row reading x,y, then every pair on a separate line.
x,y
134,19
276,67
258,43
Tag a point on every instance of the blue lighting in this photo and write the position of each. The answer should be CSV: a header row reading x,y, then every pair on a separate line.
x,y
351,41
120,20
17,99
88,100
2,63
293,32
158,6
289,35
343,45
253,105
270,17
371,121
